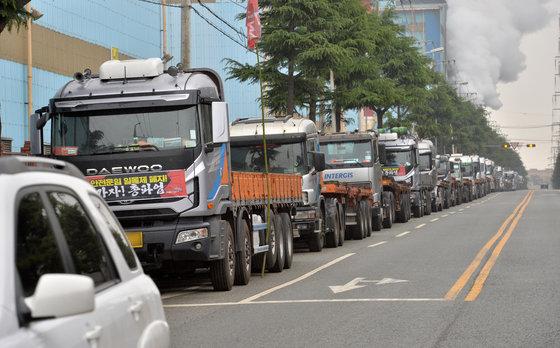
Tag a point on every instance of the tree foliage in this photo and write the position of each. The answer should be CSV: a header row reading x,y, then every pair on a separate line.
x,y
13,13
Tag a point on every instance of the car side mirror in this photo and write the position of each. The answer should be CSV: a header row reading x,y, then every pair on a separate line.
x,y
382,154
220,124
61,295
318,161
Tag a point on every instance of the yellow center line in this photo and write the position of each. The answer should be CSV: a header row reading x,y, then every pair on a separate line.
x,y
462,281
479,282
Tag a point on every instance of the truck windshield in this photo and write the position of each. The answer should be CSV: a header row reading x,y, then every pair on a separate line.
x,y
403,158
468,169
282,158
425,161
456,173
442,167
347,154
123,130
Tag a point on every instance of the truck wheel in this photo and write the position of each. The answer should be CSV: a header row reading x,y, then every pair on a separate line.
x,y
377,221
271,254
243,257
368,213
359,230
401,214
288,234
334,225
342,224
417,211
280,249
389,206
222,272
317,240
428,200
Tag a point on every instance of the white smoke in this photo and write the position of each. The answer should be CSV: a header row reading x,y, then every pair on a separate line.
x,y
483,37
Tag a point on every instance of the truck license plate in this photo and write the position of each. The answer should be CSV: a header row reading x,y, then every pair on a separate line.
x,y
135,239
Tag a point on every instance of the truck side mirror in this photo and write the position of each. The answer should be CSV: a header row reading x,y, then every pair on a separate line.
x,y
382,154
36,132
318,161
220,123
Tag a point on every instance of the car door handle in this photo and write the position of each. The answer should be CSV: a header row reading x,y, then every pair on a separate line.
x,y
93,335
135,309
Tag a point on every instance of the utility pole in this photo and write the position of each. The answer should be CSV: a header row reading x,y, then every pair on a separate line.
x,y
186,33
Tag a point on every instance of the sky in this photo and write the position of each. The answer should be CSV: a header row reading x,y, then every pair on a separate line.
x,y
528,101
505,50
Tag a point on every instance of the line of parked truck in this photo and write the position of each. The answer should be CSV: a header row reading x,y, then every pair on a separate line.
x,y
189,188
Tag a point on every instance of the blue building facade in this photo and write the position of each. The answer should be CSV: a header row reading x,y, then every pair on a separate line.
x,y
72,35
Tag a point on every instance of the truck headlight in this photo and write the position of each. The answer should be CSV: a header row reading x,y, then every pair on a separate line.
x,y
305,214
190,235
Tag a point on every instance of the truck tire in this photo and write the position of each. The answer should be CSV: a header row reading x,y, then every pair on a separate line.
x,y
280,249
359,230
389,205
342,224
271,254
368,213
288,234
377,221
243,258
317,240
222,272
334,224
428,200
401,214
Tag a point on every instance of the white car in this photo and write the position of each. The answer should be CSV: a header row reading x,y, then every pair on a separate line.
x,y
69,276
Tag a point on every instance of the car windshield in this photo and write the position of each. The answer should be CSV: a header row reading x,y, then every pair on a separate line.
x,y
282,158
456,173
442,167
108,131
468,169
402,158
347,154
425,161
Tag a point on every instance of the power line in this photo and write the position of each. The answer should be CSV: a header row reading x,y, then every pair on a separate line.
x,y
239,32
160,4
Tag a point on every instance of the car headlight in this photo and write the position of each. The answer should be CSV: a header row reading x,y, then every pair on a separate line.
x,y
190,235
305,214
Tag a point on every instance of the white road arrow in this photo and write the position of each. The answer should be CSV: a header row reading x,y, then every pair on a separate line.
x,y
353,284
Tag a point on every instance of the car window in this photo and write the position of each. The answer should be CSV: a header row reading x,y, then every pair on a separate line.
x,y
116,231
86,247
37,252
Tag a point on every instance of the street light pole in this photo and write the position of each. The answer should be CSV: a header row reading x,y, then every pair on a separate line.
x,y
186,33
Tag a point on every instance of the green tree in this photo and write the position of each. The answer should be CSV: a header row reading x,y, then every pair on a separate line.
x,y
296,41
13,13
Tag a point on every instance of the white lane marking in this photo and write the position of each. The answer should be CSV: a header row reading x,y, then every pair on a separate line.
x,y
468,206
377,244
306,301
461,209
446,215
306,275
402,234
420,226
434,220
451,212
353,284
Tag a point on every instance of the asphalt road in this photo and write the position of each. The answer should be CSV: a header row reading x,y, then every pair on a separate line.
x,y
482,274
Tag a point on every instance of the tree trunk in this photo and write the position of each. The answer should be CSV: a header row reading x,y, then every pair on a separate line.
x,y
379,114
313,110
291,92
337,118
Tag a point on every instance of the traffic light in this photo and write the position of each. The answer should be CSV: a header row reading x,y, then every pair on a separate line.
x,y
530,145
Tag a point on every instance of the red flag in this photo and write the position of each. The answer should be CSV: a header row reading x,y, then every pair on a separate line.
x,y
253,23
